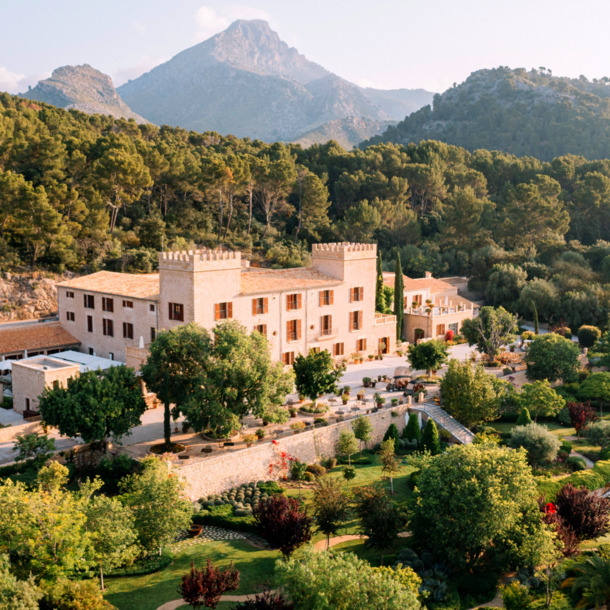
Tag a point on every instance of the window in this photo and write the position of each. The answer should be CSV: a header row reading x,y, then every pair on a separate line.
x,y
356,294
89,301
454,328
90,324
111,355
440,329
338,349
153,333
262,329
91,351
108,327
361,345
223,311
260,306
176,312
293,301
417,299
27,404
327,297
293,330
288,357
355,320
128,304
152,308
127,330
70,316
315,350
326,325
69,294
108,304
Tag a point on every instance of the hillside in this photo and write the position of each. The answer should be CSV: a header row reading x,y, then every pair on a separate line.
x,y
347,132
247,82
516,111
83,88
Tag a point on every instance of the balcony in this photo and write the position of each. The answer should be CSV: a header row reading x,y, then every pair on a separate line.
x,y
436,310
326,333
382,319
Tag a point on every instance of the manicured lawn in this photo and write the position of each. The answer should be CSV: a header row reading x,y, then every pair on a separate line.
x,y
150,591
359,548
554,427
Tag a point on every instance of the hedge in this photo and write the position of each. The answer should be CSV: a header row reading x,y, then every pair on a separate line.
x,y
592,479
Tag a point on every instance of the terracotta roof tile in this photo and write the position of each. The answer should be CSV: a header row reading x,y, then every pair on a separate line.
x,y
255,280
44,335
137,286
418,283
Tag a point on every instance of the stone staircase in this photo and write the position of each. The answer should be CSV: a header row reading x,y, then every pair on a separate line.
x,y
444,420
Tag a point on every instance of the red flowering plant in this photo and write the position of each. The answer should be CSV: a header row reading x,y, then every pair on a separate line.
x,y
280,465
449,335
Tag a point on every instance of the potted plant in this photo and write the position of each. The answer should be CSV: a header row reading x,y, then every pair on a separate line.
x,y
249,439
301,398
366,382
379,399
297,427
379,377
415,304
346,390
394,402
293,411
371,356
344,398
360,395
260,434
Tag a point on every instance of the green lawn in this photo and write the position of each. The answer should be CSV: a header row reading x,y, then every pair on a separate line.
x,y
359,548
554,427
150,591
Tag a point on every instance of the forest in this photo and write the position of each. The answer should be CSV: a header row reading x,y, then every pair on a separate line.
x,y
81,192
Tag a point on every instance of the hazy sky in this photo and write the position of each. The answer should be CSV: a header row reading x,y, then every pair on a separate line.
x,y
382,43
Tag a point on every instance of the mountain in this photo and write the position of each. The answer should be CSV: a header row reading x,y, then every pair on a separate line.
x,y
347,132
516,111
247,82
397,103
83,88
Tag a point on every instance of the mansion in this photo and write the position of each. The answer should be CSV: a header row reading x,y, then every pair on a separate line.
x,y
329,305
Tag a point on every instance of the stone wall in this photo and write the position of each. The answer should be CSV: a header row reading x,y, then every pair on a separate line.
x,y
216,474
10,433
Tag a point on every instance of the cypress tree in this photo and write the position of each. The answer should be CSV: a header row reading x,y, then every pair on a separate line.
x,y
536,325
392,432
412,431
430,440
379,297
399,297
524,417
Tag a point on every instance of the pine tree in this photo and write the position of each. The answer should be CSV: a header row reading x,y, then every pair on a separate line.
x,y
430,440
379,296
399,297
524,417
412,431
392,432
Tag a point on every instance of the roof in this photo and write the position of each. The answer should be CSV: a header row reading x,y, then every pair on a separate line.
x,y
137,286
418,283
87,362
34,337
258,280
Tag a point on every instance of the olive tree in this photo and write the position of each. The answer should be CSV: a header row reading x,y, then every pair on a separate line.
x,y
490,330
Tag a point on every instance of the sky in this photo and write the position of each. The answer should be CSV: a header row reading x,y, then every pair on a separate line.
x,y
387,44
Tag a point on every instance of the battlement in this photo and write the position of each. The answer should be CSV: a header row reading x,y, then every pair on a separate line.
x,y
203,259
344,250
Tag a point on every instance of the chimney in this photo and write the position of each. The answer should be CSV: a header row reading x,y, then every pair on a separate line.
x,y
428,274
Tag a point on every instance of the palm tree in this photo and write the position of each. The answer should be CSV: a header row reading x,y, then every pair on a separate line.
x,y
592,582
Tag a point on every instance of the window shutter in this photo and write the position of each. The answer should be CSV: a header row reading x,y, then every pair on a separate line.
x,y
360,319
298,329
217,311
321,298
299,301
351,295
332,297
254,307
265,309
351,320
229,310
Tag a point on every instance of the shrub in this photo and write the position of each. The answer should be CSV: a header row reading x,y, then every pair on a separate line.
x,y
320,422
507,371
147,565
349,472
563,417
584,512
524,417
309,477
576,463
528,335
73,595
392,432
269,600
282,523
226,516
587,478
316,469
599,433
603,467
566,446
270,487
329,462
581,414
297,470
540,444
430,440
260,433
205,587
588,335
516,596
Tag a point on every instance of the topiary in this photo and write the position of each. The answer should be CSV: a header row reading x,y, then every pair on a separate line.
x,y
430,439
316,469
309,476
524,417
349,472
588,335
412,431
392,432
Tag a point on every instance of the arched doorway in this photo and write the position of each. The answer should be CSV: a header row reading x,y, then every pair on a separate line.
x,y
418,333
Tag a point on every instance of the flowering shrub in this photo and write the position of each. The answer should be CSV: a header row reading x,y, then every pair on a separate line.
x,y
449,335
280,465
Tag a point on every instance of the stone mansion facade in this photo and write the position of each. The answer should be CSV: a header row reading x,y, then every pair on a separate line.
x,y
329,305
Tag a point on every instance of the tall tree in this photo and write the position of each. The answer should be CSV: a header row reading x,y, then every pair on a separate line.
x,y
490,330
316,374
399,297
331,506
428,356
379,297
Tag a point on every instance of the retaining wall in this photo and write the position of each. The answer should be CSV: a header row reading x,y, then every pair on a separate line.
x,y
10,433
217,474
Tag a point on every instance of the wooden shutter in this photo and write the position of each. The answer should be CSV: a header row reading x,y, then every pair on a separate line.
x,y
351,295
321,298
351,320
331,295
265,307
360,319
298,329
254,306
298,301
217,311
229,310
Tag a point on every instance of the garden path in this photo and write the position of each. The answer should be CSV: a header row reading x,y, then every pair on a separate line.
x,y
588,462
